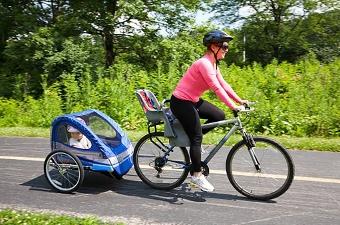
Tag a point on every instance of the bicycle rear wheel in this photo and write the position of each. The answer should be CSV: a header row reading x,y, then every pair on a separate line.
x,y
271,180
156,169
64,171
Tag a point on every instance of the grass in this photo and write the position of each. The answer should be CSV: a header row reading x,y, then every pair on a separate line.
x,y
24,132
302,143
11,217
296,143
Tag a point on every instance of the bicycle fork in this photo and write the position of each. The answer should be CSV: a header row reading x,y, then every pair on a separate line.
x,y
250,143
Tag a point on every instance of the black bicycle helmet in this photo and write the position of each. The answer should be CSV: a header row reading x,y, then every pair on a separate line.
x,y
216,36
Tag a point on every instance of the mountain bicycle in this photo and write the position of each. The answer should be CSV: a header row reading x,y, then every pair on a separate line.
x,y
257,167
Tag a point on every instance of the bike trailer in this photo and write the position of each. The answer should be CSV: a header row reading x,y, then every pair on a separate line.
x,y
110,151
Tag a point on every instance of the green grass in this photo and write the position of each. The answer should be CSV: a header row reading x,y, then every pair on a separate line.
x,y
310,143
11,217
24,132
302,143
296,143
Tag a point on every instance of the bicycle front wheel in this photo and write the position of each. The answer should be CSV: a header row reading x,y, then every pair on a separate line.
x,y
157,169
273,176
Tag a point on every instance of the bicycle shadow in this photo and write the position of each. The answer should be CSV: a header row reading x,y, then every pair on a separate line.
x,y
131,185
95,183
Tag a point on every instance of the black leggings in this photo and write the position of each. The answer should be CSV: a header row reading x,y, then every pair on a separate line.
x,y
189,114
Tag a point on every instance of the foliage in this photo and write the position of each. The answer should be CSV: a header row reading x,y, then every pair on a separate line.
x,y
299,100
66,56
321,30
8,217
24,59
182,48
52,38
41,57
116,22
109,22
31,112
285,30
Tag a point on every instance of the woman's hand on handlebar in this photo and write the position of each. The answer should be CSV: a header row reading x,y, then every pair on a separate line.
x,y
245,107
244,102
247,104
239,108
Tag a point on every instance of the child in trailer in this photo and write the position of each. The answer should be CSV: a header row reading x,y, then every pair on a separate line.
x,y
77,139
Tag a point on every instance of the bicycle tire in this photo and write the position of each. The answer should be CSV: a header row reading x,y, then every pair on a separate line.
x,y
248,182
147,172
63,168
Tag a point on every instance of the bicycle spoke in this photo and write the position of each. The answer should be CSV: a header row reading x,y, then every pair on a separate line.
x,y
275,174
63,171
160,171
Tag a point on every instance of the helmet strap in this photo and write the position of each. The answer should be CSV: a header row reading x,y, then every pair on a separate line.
x,y
217,61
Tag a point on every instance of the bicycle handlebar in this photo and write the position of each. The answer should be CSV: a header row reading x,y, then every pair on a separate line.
x,y
247,109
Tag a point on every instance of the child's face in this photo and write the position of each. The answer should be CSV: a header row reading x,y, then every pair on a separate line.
x,y
76,135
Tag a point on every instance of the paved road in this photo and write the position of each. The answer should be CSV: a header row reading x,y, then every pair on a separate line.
x,y
314,197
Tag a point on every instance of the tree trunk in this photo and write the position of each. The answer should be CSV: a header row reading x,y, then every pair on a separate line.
x,y
276,50
277,12
111,7
108,45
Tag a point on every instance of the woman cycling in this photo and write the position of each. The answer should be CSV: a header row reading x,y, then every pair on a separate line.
x,y
188,107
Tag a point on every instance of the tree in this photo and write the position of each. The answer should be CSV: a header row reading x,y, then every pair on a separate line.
x,y
18,18
273,21
115,20
35,33
178,50
321,32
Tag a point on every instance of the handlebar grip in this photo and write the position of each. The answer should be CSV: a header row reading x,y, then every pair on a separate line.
x,y
166,101
248,105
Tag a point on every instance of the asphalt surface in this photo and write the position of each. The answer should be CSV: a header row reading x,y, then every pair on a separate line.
x,y
313,198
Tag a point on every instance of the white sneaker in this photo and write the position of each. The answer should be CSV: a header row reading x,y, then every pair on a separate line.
x,y
202,183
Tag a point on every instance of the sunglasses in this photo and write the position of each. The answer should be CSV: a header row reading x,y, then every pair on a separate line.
x,y
224,46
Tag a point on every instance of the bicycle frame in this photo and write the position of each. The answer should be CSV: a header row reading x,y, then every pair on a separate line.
x,y
237,126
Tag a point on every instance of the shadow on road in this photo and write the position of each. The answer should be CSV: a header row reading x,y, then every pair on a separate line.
x,y
130,185
38,184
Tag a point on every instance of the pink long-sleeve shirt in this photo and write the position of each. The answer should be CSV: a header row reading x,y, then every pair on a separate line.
x,y
202,76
